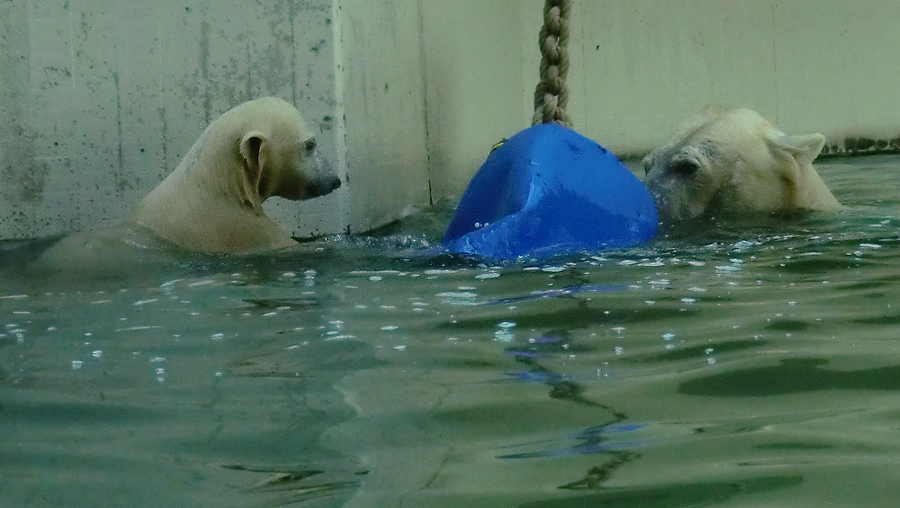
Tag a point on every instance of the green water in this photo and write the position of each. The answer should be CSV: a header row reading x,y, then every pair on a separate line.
x,y
748,363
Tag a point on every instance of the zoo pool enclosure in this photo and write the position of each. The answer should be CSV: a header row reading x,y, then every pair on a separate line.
x,y
101,99
748,364
736,364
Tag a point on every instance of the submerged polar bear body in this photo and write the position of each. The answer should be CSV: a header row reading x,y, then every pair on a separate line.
x,y
212,202
731,161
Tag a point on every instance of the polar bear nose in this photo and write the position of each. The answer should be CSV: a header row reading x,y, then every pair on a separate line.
x,y
335,183
684,168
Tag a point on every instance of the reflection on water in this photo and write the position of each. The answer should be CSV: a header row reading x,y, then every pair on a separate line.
x,y
746,362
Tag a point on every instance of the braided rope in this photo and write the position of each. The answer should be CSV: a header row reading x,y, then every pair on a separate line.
x,y
551,96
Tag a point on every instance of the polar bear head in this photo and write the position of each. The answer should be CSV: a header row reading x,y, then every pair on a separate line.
x,y
212,202
280,156
734,161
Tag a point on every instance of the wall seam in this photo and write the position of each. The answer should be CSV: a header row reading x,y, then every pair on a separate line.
x,y
423,58
340,111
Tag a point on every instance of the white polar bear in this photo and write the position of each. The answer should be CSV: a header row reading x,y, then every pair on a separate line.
x,y
731,161
212,202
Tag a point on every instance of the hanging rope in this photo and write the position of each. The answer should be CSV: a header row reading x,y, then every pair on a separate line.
x,y
551,96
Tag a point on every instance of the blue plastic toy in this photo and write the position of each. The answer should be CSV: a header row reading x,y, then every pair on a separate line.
x,y
550,191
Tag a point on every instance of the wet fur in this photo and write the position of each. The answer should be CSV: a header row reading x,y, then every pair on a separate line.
x,y
733,161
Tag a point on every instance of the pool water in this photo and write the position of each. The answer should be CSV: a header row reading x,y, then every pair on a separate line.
x,y
753,362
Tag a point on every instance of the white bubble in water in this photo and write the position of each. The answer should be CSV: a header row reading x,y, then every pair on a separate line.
x,y
458,297
504,336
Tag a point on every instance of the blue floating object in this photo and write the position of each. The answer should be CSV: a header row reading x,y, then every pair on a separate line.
x,y
549,191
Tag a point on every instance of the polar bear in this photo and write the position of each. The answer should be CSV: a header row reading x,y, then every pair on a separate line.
x,y
212,202
730,161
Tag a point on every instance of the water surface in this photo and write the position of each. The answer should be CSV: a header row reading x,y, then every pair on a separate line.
x,y
738,363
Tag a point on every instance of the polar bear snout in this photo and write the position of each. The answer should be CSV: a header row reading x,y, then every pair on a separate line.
x,y
322,186
322,179
681,183
679,197
312,177
326,180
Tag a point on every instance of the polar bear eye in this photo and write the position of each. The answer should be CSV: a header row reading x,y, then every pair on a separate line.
x,y
684,168
310,145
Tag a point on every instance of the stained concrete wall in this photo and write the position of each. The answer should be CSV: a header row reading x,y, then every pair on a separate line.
x,y
383,108
640,67
99,99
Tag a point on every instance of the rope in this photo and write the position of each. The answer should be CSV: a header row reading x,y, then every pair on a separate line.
x,y
551,96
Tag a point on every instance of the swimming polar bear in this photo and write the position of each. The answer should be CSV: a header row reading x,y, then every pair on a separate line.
x,y
731,161
212,202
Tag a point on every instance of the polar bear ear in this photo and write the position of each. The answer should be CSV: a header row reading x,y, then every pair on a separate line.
x,y
804,148
254,154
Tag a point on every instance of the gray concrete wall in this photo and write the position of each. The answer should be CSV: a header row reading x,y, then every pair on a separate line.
x,y
383,103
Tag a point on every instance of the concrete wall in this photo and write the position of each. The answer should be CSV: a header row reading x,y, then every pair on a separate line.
x,y
99,99
383,102
639,67
827,66
473,104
